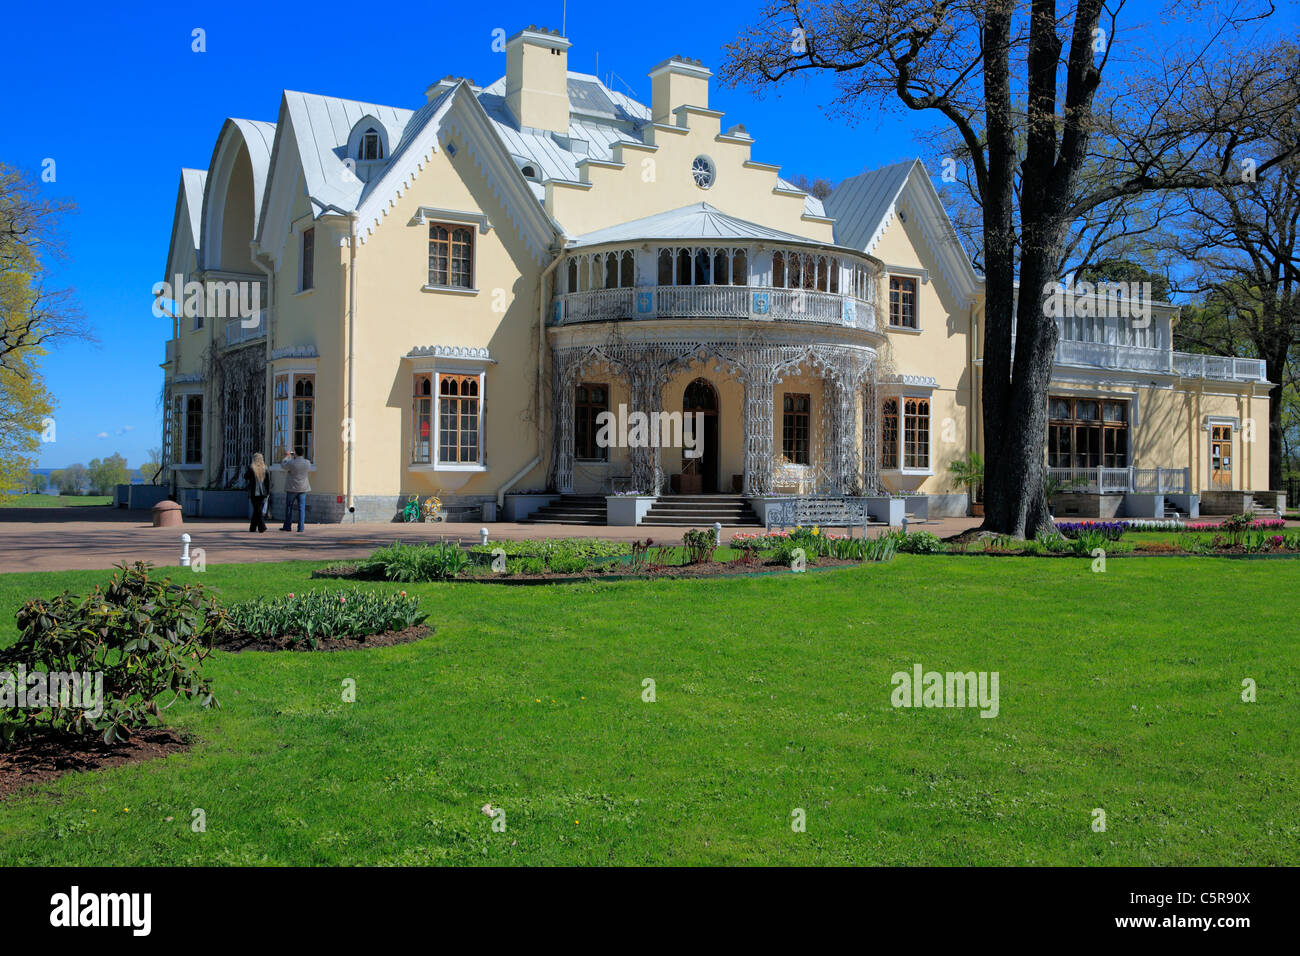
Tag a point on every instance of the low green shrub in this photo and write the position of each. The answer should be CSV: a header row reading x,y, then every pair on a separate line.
x,y
568,564
547,548
920,542
530,566
313,615
144,638
1089,540
1052,542
699,546
410,563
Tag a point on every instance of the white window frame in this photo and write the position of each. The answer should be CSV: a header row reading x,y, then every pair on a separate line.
x,y
427,215
293,372
180,428
437,372
921,277
901,396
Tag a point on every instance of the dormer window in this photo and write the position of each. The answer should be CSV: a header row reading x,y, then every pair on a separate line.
x,y
368,142
371,146
530,172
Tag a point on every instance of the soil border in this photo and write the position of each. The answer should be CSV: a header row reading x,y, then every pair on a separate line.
x,y
45,757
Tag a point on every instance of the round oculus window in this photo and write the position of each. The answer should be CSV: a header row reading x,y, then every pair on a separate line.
x,y
702,171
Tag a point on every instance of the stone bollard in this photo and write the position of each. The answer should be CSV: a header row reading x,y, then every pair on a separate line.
x,y
482,535
904,524
185,551
167,514
717,534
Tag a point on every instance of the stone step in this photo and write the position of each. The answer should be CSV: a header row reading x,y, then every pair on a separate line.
x,y
648,522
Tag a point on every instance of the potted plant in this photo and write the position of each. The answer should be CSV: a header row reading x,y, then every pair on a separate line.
x,y
968,473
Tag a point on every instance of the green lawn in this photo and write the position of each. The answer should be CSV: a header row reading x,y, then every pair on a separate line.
x,y
54,501
1119,691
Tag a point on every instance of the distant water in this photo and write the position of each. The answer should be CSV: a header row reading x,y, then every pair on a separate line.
x,y
50,489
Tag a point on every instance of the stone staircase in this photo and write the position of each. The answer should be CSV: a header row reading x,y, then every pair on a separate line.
x,y
701,511
571,509
1172,512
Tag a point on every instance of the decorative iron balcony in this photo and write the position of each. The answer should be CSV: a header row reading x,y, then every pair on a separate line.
x,y
757,303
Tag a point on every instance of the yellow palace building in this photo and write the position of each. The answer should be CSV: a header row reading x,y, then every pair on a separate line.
x,y
450,300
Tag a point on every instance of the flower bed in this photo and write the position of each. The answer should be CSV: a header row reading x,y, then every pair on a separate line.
x,y
1231,524
323,620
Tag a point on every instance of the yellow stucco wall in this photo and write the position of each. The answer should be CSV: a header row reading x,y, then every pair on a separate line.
x,y
657,178
939,349
395,314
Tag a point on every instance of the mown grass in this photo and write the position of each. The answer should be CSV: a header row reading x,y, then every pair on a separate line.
x,y
1119,691
53,501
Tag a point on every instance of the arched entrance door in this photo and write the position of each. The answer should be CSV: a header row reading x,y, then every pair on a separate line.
x,y
701,397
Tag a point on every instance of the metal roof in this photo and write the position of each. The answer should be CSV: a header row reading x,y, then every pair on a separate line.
x,y
322,125
860,205
192,181
599,117
698,221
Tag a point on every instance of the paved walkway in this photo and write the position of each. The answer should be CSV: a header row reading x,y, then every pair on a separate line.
x,y
56,539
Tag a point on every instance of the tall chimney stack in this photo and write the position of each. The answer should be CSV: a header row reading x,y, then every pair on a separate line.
x,y
677,81
537,79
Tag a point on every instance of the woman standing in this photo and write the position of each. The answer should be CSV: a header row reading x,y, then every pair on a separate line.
x,y
255,480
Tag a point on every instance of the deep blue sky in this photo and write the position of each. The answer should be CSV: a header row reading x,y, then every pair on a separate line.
x,y
118,99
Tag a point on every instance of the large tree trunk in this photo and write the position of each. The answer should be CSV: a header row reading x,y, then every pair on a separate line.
x,y
1015,386
999,256
1275,369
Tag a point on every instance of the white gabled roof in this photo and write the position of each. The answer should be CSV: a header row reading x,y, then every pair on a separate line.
x,y
259,138
322,125
689,223
192,183
862,205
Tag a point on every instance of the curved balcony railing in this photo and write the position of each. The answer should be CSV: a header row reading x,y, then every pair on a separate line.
x,y
755,303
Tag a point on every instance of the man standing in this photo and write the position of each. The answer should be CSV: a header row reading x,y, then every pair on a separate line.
x,y
295,489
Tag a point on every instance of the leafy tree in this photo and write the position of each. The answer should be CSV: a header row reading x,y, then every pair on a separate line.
x,y
1126,270
32,315
1047,145
148,469
23,405
1242,246
73,480
105,473
34,484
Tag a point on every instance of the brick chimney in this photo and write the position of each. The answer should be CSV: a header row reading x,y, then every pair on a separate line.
x,y
537,79
677,81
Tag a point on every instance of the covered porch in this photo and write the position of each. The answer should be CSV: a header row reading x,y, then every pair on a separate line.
x,y
729,411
